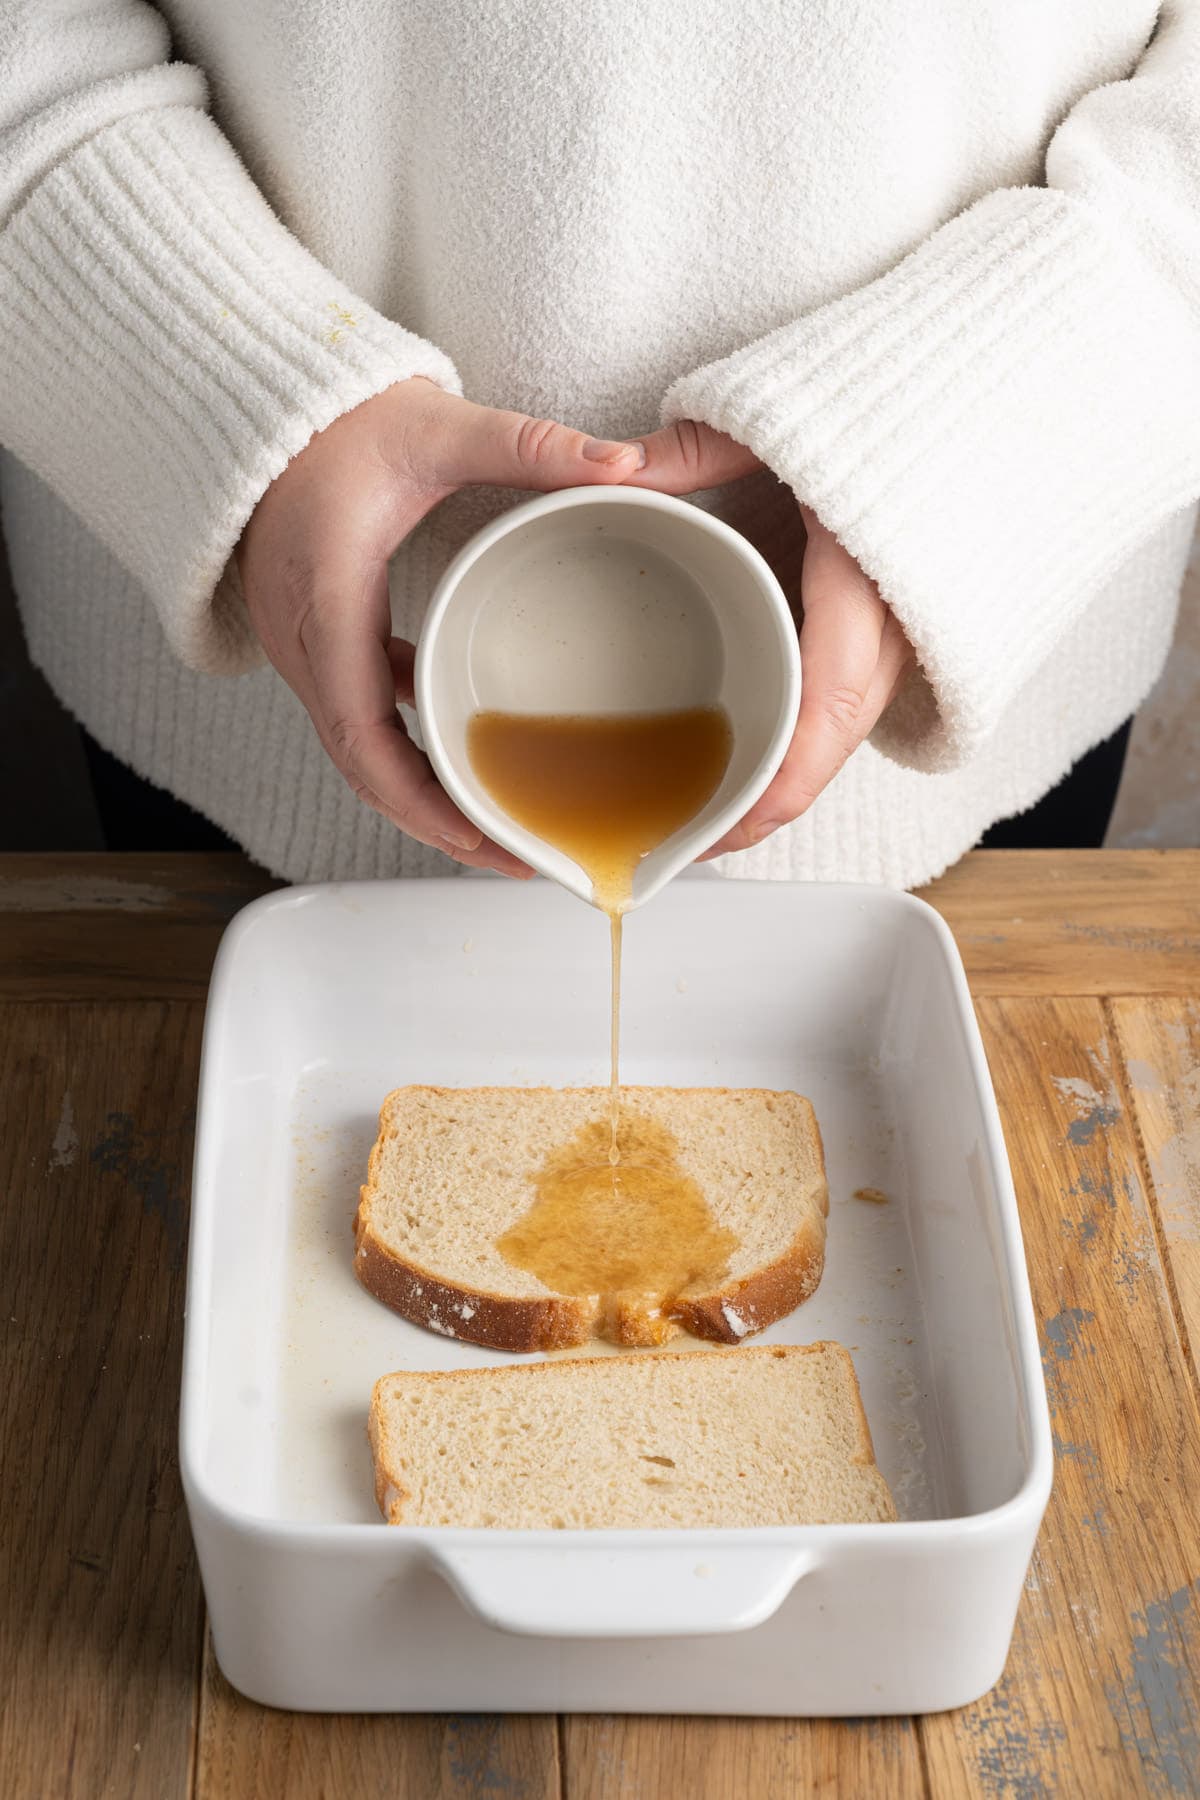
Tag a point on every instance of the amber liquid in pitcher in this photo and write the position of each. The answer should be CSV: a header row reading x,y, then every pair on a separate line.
x,y
607,789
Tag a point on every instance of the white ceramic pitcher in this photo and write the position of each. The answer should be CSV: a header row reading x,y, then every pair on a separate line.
x,y
609,600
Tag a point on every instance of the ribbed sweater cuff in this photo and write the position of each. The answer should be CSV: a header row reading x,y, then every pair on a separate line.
x,y
168,346
990,428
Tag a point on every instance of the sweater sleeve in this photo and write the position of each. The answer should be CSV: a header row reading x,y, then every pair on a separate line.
x,y
993,425
167,344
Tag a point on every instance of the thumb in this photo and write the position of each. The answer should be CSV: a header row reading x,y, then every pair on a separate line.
x,y
510,449
685,457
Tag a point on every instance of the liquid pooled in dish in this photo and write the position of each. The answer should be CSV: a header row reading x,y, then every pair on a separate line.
x,y
606,789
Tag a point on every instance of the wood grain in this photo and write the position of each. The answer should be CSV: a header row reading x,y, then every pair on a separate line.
x,y
1028,921
1100,1695
101,1686
1075,921
100,1633
106,927
740,1759
248,1752
1160,1048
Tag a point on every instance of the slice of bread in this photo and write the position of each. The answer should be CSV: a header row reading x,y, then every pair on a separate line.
x,y
768,1436
453,1171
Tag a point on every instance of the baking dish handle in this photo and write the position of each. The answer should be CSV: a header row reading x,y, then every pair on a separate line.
x,y
639,1591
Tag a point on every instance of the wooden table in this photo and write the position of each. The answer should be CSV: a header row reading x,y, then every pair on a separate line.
x,y
1086,973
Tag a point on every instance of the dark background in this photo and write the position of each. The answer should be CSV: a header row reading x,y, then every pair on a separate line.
x,y
46,799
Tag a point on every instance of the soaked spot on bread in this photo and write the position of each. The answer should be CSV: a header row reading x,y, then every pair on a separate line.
x,y
639,1227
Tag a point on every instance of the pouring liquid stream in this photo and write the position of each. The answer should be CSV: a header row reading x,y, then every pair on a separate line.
x,y
606,790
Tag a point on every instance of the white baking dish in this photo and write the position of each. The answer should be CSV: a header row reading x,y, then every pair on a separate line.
x,y
322,999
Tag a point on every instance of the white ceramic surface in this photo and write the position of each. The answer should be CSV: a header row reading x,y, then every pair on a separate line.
x,y
322,999
610,600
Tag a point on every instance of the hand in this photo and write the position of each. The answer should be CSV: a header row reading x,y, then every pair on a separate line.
x,y
854,655
313,561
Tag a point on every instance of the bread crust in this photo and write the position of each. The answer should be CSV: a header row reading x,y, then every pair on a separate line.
x,y
727,1315
746,1307
496,1321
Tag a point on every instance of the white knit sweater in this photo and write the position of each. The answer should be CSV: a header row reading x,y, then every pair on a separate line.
x,y
938,265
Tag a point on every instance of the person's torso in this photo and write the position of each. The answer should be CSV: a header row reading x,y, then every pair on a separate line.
x,y
650,185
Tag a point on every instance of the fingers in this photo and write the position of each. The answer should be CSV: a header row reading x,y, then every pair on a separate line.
x,y
896,661
854,657
346,678
401,657
466,443
686,457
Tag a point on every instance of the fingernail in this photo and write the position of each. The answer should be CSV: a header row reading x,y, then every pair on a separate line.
x,y
764,829
605,451
466,839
